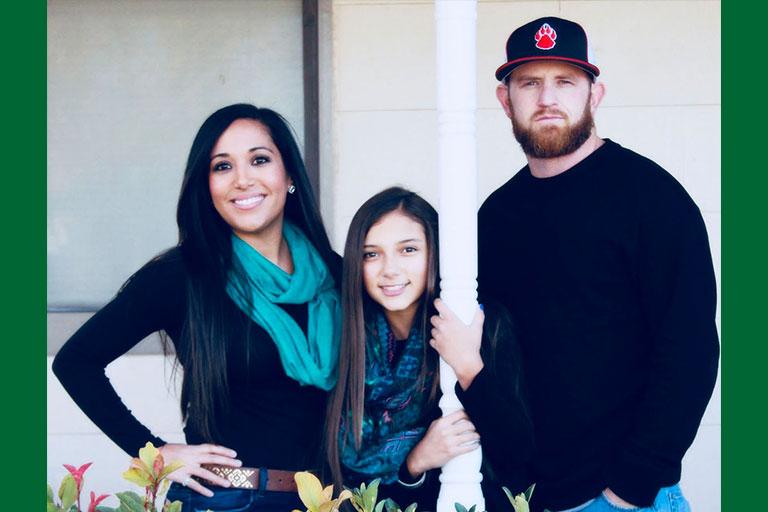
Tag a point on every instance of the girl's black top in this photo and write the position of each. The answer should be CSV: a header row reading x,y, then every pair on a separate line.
x,y
272,421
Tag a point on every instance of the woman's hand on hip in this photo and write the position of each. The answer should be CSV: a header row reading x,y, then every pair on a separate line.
x,y
457,343
193,456
446,438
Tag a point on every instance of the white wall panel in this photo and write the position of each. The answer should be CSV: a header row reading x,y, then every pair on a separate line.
x,y
384,56
701,471
662,52
396,147
685,140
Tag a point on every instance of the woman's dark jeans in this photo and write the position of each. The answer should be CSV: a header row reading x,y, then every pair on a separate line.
x,y
234,500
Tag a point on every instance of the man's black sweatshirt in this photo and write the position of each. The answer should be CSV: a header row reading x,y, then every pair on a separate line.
x,y
606,269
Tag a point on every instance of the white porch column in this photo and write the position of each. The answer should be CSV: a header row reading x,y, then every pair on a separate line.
x,y
457,161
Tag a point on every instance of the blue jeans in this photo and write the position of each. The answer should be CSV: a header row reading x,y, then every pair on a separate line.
x,y
669,499
235,500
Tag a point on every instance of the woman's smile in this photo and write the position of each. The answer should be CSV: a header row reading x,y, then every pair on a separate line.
x,y
249,201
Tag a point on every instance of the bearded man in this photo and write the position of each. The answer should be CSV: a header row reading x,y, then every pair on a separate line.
x,y
603,260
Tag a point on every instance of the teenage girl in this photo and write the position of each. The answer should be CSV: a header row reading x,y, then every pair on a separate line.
x,y
382,416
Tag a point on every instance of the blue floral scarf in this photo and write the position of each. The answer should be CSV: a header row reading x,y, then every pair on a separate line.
x,y
394,406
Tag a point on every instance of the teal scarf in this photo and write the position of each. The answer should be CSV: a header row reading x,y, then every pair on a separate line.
x,y
309,361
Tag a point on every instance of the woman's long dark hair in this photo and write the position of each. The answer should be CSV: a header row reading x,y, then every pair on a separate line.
x,y
204,239
346,399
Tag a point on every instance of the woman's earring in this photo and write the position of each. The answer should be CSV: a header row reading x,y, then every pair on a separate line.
x,y
291,189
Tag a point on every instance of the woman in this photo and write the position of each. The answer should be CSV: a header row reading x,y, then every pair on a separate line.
x,y
249,302
387,387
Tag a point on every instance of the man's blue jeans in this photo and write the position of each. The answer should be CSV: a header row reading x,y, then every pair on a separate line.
x,y
669,499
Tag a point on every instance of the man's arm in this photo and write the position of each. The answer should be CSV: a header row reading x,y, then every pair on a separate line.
x,y
677,292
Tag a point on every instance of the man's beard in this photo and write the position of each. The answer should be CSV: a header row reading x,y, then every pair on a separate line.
x,y
552,141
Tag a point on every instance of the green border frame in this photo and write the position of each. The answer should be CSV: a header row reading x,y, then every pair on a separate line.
x,y
23,256
745,256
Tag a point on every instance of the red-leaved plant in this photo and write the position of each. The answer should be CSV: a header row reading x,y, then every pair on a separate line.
x,y
148,470
69,492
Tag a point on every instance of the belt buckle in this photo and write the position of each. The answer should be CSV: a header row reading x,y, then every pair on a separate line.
x,y
238,477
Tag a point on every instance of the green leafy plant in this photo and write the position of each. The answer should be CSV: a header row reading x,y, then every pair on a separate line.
x,y
315,497
364,500
520,502
148,470
364,497
391,506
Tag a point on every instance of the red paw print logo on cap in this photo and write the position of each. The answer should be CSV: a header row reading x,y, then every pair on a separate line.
x,y
545,37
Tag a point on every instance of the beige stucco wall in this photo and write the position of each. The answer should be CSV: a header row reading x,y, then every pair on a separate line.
x,y
659,60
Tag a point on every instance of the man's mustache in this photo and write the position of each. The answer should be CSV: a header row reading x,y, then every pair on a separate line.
x,y
550,112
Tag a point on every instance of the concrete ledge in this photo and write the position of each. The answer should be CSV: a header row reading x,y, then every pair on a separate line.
x,y
63,325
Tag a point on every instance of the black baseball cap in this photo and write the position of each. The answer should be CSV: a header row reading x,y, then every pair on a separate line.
x,y
549,38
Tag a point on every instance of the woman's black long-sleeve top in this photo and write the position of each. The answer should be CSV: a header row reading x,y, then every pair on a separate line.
x,y
272,421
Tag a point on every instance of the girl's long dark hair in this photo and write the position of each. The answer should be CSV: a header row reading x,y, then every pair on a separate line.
x,y
204,240
346,399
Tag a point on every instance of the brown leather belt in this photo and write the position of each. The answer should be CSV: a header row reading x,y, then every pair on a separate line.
x,y
249,478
